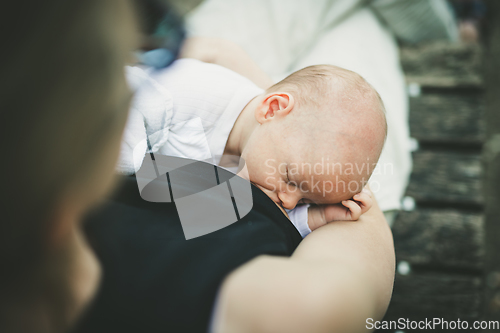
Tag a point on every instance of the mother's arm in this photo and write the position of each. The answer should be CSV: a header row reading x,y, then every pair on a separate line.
x,y
227,54
340,275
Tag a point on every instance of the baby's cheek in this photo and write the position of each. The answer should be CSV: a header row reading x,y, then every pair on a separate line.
x,y
330,195
266,182
271,194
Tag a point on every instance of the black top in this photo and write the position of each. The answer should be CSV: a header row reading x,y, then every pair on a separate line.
x,y
154,280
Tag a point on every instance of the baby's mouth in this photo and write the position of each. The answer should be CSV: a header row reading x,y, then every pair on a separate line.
x,y
277,201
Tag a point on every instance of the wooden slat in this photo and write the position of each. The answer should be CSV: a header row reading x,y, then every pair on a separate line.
x,y
446,81
491,157
440,238
448,118
443,65
435,295
446,178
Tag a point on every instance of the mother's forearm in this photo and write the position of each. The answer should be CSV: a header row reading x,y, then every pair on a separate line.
x,y
366,245
340,275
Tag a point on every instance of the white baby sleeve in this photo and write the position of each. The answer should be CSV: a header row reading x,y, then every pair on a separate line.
x,y
150,117
298,217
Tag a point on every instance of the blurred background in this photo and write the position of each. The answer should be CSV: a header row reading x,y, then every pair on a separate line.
x,y
439,238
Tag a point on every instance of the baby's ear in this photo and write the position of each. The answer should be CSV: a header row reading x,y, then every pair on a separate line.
x,y
274,105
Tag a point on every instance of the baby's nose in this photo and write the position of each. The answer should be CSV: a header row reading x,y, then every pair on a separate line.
x,y
288,200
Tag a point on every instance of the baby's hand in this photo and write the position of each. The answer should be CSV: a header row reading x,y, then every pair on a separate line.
x,y
348,210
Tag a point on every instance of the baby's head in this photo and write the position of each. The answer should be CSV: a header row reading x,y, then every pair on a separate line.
x,y
320,133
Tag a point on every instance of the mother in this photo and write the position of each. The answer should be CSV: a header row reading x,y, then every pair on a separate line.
x,y
63,108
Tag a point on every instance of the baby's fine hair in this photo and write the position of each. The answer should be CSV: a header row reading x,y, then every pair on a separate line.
x,y
312,85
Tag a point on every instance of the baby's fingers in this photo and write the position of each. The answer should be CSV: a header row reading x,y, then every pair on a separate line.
x,y
364,200
353,207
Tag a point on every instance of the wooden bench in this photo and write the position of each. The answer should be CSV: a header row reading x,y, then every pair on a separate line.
x,y
439,244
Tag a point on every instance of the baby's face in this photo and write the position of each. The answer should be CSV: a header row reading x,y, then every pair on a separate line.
x,y
290,173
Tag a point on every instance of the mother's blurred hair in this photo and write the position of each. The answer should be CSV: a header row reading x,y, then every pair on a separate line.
x,y
61,101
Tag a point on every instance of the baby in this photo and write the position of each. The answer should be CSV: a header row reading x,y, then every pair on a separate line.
x,y
309,139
